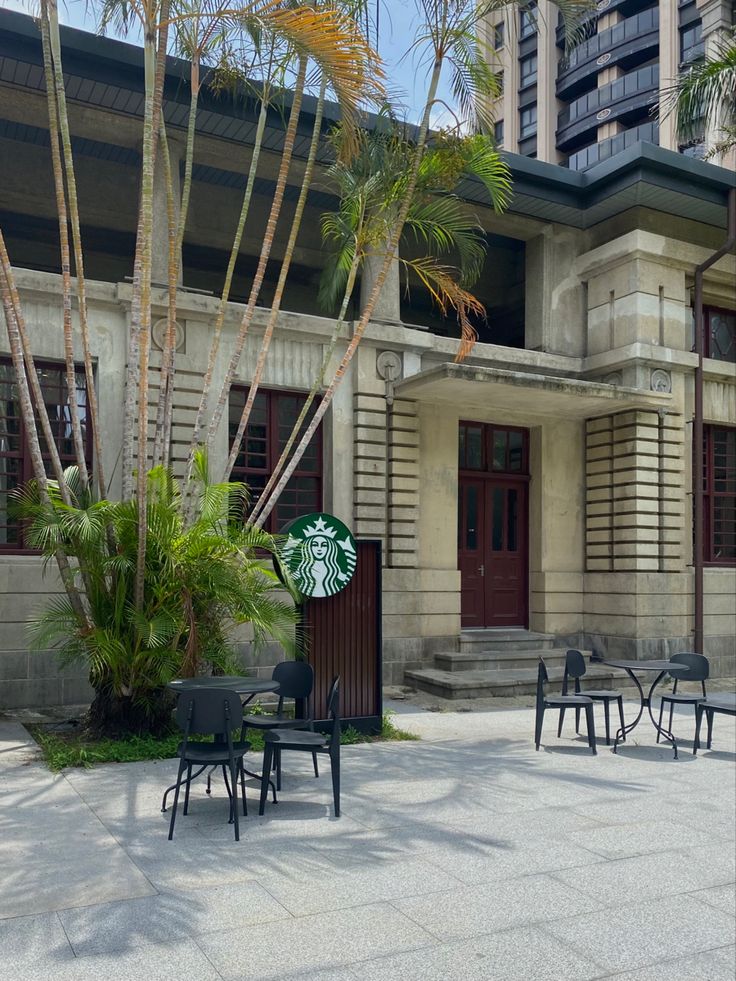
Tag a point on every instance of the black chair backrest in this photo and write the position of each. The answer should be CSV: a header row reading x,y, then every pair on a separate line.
x,y
698,664
574,664
333,710
542,679
295,679
208,711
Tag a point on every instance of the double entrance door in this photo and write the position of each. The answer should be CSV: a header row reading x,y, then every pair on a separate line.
x,y
493,543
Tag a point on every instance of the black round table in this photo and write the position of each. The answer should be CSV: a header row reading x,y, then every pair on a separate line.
x,y
247,688
661,668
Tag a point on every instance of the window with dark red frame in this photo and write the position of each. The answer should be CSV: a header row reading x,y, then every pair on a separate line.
x,y
719,488
493,449
720,334
15,460
269,427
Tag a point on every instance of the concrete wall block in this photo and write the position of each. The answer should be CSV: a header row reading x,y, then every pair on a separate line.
x,y
369,528
366,434
404,468
602,424
369,481
25,574
638,564
365,497
401,559
371,403
556,603
369,465
716,581
372,420
405,407
369,512
14,665
76,691
400,603
598,481
415,625
640,490
403,437
398,484
404,454
429,580
36,693
594,468
635,473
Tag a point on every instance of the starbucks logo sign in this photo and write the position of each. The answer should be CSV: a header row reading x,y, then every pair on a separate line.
x,y
320,554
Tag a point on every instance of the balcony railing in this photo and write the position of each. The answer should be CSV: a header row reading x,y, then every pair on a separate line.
x,y
628,30
596,152
641,81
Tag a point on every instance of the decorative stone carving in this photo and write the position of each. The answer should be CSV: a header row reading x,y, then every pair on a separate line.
x,y
603,59
615,378
388,366
603,114
661,380
158,334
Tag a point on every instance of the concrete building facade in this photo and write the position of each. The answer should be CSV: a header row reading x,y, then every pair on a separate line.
x,y
585,106
543,485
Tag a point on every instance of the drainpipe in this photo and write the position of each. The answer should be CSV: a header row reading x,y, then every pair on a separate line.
x,y
698,474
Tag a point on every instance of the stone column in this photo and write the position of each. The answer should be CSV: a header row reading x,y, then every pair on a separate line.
x,y
547,57
160,242
669,67
388,307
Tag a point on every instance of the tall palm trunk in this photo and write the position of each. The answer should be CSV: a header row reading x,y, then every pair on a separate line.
x,y
162,432
317,384
372,299
268,240
15,326
66,280
71,182
281,284
14,305
222,308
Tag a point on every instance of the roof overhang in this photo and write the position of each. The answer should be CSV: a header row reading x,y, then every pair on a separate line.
x,y
520,395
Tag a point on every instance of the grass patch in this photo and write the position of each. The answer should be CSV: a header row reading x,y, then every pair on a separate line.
x,y
62,748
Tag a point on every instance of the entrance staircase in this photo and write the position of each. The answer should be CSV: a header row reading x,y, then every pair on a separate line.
x,y
503,662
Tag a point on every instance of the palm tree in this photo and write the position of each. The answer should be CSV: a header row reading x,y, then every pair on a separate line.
x,y
705,95
448,36
201,581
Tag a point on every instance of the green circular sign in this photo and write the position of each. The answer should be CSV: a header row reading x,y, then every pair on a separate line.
x,y
320,554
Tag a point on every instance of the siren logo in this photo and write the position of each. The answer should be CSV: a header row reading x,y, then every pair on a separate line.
x,y
320,554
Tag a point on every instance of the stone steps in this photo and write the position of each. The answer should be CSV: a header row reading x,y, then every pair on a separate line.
x,y
503,682
504,662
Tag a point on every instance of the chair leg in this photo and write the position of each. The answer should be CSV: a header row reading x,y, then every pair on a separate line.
x,y
230,795
234,799
577,721
698,722
267,758
672,708
590,723
661,710
316,767
538,725
242,787
620,701
277,757
709,717
607,715
335,770
182,766
186,792
559,724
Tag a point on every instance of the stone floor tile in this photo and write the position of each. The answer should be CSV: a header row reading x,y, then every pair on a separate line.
x,y
24,940
640,838
634,936
476,910
515,955
714,965
160,962
722,897
166,917
360,886
317,943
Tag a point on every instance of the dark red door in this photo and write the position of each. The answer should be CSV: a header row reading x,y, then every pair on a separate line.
x,y
492,551
505,560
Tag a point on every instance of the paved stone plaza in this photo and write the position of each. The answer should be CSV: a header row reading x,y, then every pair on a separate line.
x,y
466,855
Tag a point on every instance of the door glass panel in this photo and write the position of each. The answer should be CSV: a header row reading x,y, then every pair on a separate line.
x,y
512,521
474,448
516,451
471,519
461,448
497,533
499,449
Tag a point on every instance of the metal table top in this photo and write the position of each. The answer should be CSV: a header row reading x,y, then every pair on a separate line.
x,y
672,667
236,683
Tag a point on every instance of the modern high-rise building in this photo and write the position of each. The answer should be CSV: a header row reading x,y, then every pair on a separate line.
x,y
581,107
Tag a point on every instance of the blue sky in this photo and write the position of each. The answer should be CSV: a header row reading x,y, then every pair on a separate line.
x,y
398,21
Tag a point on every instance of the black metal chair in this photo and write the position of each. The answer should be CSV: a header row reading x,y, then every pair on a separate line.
x,y
277,740
575,668
724,704
698,670
210,712
545,701
295,680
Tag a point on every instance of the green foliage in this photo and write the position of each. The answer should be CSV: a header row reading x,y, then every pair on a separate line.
x,y
201,580
440,225
63,749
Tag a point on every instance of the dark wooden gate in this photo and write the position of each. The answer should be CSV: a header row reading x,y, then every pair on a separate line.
x,y
343,636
